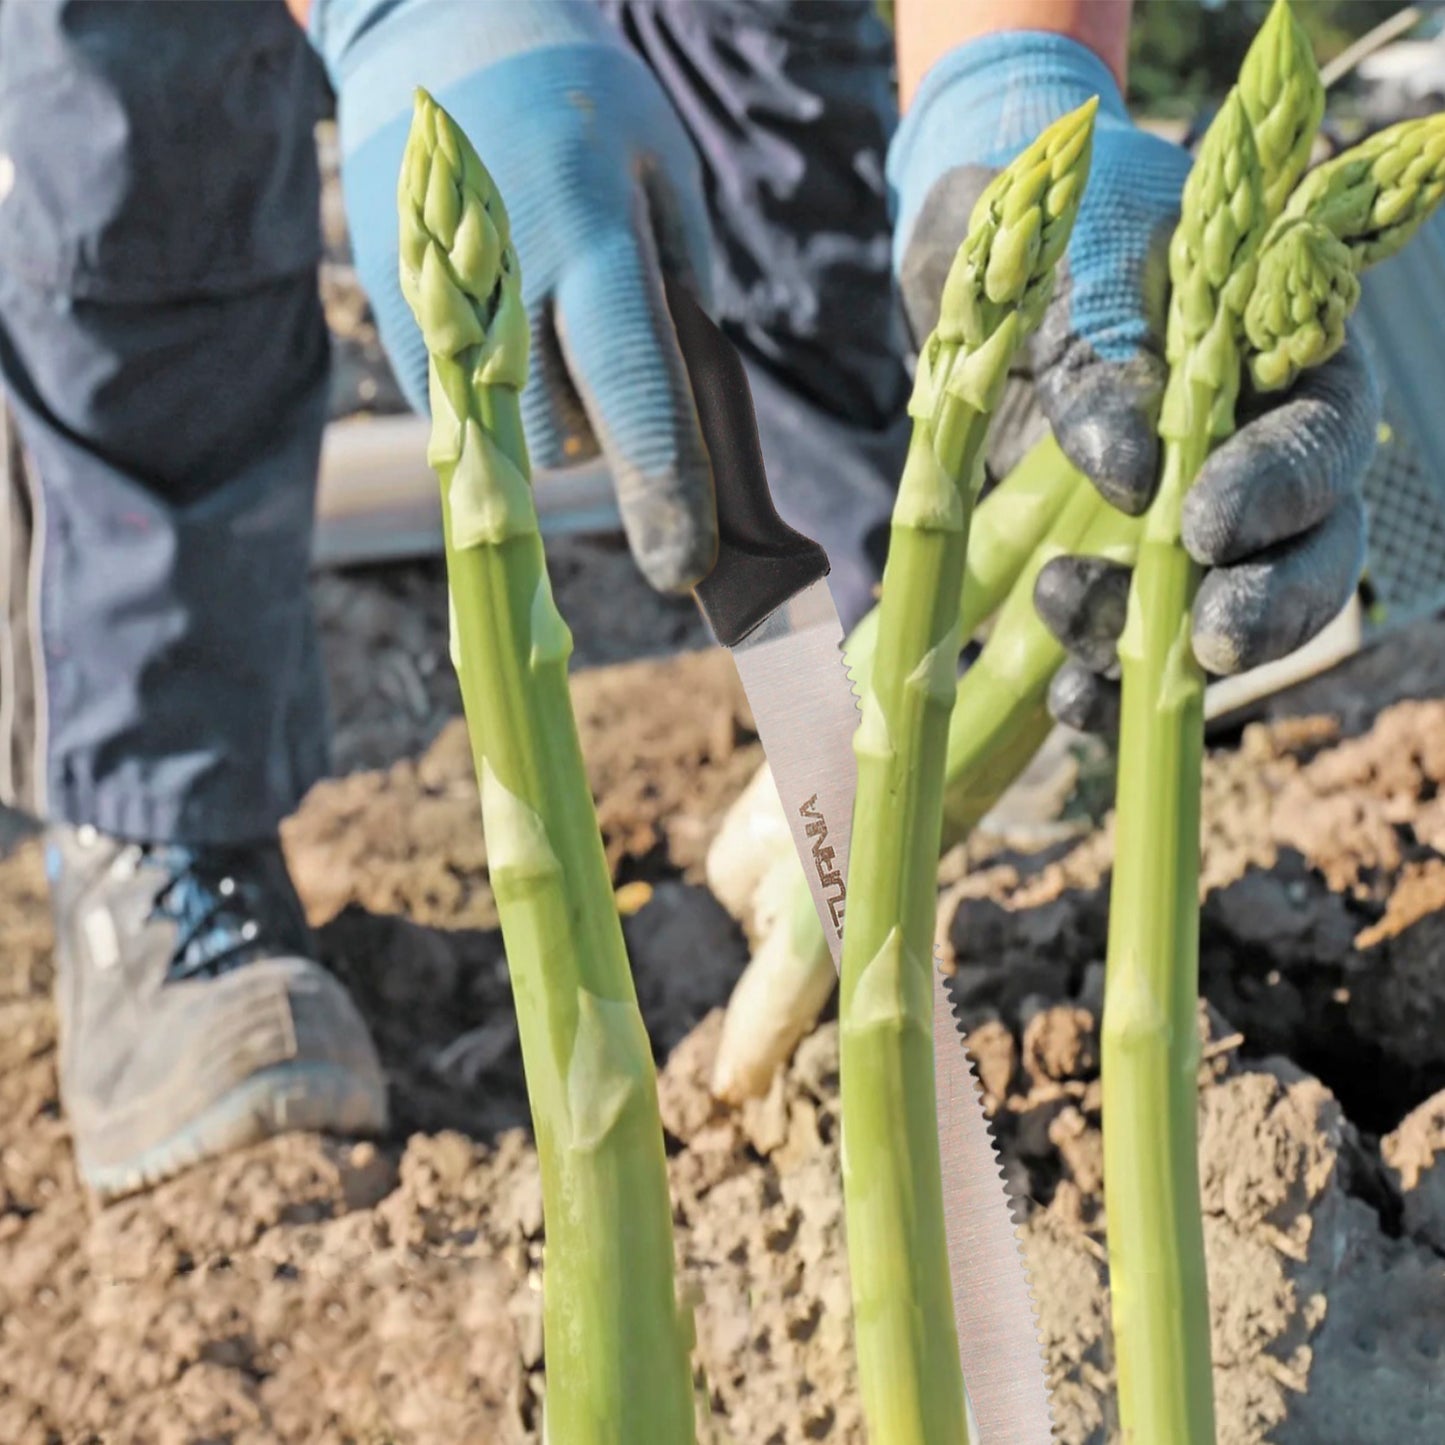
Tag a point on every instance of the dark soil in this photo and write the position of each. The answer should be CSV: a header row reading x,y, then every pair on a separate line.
x,y
311,1290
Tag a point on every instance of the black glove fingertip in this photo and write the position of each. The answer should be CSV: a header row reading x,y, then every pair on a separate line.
x,y
1084,700
1266,608
1083,601
1103,418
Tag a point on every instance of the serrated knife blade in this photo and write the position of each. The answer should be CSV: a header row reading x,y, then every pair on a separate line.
x,y
767,600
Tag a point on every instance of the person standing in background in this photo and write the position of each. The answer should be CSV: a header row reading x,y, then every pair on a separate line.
x,y
164,364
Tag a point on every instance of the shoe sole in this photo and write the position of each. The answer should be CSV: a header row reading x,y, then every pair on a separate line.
x,y
290,1098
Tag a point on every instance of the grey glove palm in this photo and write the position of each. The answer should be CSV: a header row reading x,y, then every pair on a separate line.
x,y
1276,515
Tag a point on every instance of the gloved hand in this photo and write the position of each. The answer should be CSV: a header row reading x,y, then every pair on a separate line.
x,y
604,192
1276,515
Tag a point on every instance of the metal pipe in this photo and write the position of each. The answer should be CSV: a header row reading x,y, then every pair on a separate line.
x,y
377,498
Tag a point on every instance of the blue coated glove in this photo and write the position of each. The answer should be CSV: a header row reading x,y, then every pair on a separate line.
x,y
605,196
1276,515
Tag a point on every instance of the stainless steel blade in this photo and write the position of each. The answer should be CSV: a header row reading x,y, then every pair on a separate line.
x,y
807,713
803,704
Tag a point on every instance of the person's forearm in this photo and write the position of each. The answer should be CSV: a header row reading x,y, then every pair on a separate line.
x,y
300,11
926,30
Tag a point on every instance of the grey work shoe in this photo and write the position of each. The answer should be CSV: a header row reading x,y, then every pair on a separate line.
x,y
191,1020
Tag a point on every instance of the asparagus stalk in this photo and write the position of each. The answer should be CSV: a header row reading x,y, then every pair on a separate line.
x,y
1360,208
1002,696
618,1370
1150,1040
908,1364
1006,527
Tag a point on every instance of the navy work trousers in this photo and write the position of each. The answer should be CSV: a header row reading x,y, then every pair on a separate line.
x,y
164,362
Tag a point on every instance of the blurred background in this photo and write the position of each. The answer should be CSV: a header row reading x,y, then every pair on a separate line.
x,y
1186,53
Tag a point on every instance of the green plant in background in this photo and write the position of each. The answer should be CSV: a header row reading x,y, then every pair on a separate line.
x,y
907,1345
1183,53
617,1345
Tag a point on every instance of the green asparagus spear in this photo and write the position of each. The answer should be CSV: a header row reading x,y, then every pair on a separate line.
x,y
1280,90
618,1371
1002,699
1359,208
1150,1042
1006,527
1251,156
1304,290
1377,194
907,1345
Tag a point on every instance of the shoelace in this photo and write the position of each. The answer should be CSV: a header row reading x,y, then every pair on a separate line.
x,y
225,910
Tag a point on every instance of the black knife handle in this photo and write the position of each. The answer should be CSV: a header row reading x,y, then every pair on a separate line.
x,y
761,561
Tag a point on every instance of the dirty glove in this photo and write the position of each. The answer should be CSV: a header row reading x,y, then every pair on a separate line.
x,y
1276,515
1276,518
605,196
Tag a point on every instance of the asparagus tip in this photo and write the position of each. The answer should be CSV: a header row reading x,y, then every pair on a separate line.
x,y
1304,291
1377,194
458,270
1017,233
1280,88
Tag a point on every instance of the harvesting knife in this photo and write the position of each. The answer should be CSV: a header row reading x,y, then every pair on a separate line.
x,y
767,601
